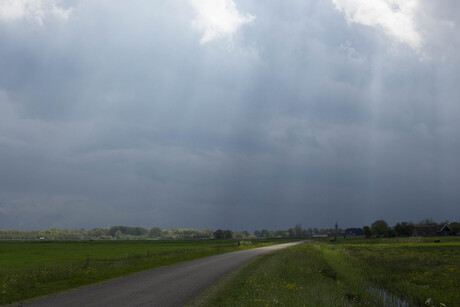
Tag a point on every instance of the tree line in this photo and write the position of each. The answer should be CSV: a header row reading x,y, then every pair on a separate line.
x,y
379,228
109,233
133,233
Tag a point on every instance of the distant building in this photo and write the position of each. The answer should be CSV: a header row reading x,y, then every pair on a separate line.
x,y
432,230
351,232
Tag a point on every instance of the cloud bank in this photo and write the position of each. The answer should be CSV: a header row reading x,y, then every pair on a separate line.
x,y
120,116
33,10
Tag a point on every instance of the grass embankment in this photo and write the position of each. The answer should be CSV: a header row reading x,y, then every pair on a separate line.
x,y
30,268
343,273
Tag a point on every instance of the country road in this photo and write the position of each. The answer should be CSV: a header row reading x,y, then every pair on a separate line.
x,y
172,285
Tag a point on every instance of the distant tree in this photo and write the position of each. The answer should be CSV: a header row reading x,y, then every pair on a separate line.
x,y
455,227
219,234
112,231
154,232
390,232
367,231
167,234
379,228
298,231
97,233
403,229
257,233
137,231
239,235
207,233
228,234
264,233
281,233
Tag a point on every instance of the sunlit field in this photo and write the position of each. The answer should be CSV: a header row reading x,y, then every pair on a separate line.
x,y
34,268
349,272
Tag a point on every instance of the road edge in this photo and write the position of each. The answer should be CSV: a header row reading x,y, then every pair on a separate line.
x,y
201,298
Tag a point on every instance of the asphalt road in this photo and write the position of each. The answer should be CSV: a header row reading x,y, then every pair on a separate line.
x,y
173,285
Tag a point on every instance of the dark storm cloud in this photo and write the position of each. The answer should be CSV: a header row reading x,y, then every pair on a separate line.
x,y
120,116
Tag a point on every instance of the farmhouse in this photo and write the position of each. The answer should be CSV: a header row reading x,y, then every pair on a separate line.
x,y
354,232
432,230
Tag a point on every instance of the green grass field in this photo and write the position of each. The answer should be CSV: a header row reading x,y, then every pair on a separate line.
x,y
34,268
415,271
349,272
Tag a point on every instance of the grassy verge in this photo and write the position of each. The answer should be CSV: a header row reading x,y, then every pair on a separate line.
x,y
297,276
30,269
413,272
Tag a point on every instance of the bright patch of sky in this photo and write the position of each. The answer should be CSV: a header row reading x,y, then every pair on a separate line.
x,y
218,19
32,10
395,17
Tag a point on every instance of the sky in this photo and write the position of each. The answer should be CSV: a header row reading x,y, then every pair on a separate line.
x,y
233,114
